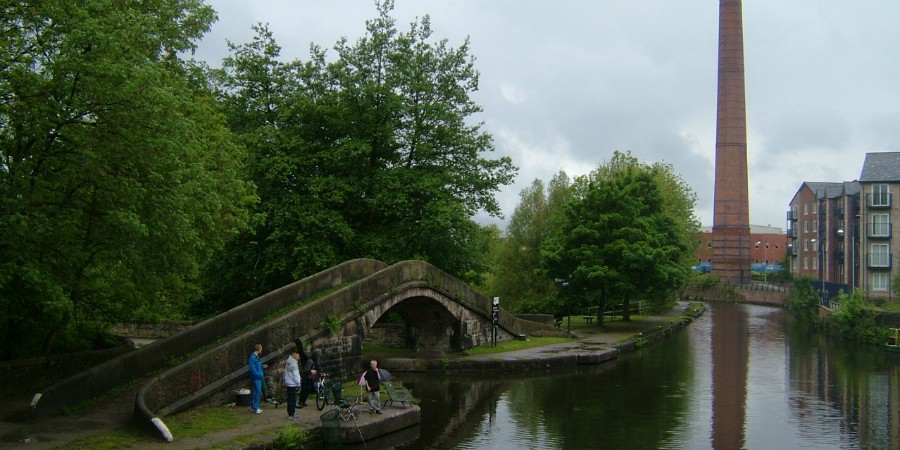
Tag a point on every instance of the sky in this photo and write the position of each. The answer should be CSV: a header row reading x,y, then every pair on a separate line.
x,y
565,83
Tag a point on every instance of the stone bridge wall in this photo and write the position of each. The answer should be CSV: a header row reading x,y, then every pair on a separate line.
x,y
353,309
138,363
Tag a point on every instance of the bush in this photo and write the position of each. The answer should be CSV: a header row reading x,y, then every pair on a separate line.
x,y
856,320
290,437
804,301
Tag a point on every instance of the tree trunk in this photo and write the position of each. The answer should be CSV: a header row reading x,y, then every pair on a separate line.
x,y
601,307
626,310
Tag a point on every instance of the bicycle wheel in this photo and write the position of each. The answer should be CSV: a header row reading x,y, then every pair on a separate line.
x,y
321,397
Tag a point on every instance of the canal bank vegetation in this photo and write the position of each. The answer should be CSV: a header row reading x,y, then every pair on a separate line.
x,y
576,247
855,320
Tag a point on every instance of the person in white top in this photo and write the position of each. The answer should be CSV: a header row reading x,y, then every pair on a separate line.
x,y
292,383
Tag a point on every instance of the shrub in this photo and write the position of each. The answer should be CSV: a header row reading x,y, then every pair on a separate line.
x,y
290,437
804,302
856,320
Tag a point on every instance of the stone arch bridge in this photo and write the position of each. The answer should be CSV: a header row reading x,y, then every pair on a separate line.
x,y
334,310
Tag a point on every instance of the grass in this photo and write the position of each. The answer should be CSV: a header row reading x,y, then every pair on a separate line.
x,y
201,422
110,440
513,345
191,424
890,306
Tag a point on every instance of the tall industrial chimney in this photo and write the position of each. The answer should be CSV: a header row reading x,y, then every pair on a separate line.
x,y
731,210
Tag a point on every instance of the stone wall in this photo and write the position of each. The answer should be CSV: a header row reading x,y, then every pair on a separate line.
x,y
390,335
717,293
33,374
150,330
148,359
352,309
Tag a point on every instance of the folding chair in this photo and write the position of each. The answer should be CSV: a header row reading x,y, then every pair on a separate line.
x,y
397,394
345,407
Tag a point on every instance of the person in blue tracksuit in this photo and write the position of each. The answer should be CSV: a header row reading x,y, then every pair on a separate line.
x,y
256,377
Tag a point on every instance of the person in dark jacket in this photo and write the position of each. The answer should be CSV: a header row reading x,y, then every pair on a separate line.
x,y
373,387
256,376
311,371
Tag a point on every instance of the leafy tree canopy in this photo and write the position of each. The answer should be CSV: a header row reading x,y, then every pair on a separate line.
x,y
373,153
626,231
117,174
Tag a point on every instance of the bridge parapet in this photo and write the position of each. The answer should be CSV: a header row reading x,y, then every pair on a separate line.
x,y
99,379
335,323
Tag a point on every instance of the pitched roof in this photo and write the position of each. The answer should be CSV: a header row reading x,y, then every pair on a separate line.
x,y
881,167
828,189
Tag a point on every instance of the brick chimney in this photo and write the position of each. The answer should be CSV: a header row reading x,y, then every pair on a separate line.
x,y
731,210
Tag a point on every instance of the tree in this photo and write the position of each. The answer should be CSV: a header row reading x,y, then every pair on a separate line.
x,y
619,237
371,155
117,175
423,174
804,301
517,261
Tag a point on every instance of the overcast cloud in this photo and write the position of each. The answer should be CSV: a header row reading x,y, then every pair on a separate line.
x,y
565,83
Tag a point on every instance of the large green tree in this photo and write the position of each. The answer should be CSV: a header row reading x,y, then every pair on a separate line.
x,y
117,174
517,278
371,154
619,238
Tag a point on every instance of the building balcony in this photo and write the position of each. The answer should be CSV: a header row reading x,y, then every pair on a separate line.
x,y
878,230
879,261
878,200
791,233
791,216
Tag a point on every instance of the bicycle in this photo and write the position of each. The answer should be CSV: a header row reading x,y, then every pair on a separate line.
x,y
322,391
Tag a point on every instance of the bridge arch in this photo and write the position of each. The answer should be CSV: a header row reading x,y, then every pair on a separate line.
x,y
334,310
434,322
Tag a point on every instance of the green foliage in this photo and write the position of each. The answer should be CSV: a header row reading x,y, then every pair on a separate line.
x,y
855,320
516,257
118,176
291,437
370,152
804,301
627,231
705,280
332,324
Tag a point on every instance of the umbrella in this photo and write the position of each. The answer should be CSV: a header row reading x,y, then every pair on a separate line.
x,y
384,375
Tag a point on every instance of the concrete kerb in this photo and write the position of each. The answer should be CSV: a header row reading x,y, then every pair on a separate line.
x,y
540,358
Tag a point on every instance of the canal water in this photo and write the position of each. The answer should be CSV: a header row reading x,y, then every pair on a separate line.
x,y
740,376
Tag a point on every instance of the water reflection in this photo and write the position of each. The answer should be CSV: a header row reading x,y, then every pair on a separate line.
x,y
741,376
729,376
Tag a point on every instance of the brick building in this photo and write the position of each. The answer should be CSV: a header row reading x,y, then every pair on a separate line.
x,y
841,233
768,245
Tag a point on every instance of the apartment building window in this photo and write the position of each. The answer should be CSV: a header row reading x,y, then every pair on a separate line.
x,y
880,256
805,263
806,209
879,281
815,224
816,264
880,195
806,245
881,225
806,226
